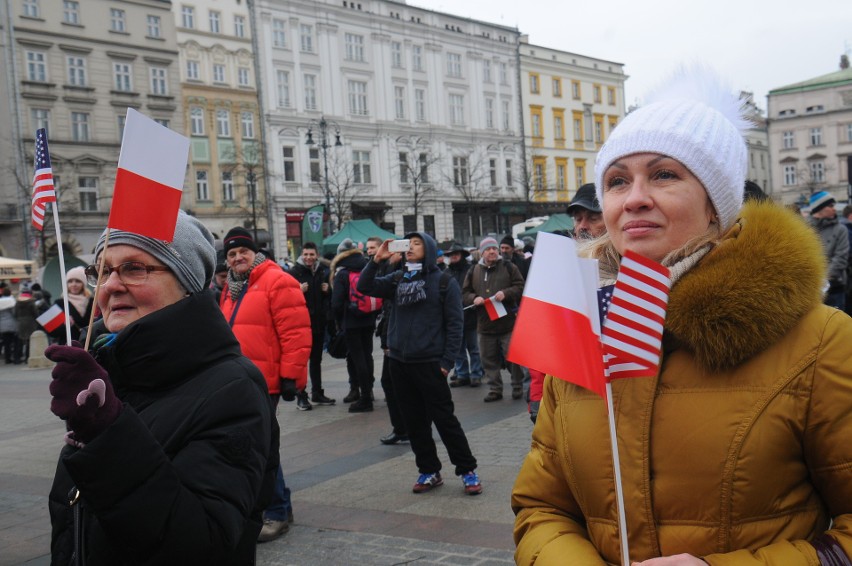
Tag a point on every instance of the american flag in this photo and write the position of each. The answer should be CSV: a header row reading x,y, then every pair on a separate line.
x,y
633,315
43,190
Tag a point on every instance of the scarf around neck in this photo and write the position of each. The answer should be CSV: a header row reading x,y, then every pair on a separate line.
x,y
236,282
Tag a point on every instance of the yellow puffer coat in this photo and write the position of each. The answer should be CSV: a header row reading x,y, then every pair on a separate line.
x,y
739,451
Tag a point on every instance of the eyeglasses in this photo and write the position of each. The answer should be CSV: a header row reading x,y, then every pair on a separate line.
x,y
130,273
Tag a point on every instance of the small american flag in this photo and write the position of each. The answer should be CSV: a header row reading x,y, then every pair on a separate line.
x,y
634,312
43,190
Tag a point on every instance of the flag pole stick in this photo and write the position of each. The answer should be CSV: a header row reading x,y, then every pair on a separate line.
x,y
62,274
97,288
619,495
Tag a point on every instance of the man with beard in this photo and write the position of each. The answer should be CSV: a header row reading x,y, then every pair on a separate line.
x,y
585,209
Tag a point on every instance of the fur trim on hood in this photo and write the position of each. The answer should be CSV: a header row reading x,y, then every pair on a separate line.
x,y
336,261
765,274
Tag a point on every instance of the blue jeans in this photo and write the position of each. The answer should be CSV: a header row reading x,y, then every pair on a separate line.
x,y
280,507
470,345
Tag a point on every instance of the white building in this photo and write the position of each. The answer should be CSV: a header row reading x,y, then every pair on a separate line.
x,y
426,106
757,140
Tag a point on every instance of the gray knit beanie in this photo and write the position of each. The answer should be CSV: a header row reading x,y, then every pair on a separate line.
x,y
191,255
346,245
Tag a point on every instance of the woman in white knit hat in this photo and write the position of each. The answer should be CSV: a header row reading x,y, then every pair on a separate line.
x,y
79,304
737,451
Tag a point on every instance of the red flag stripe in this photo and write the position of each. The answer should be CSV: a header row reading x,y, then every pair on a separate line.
x,y
144,206
637,307
654,302
624,346
639,280
634,328
654,269
636,320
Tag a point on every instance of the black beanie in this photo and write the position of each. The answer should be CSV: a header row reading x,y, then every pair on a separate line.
x,y
239,238
509,241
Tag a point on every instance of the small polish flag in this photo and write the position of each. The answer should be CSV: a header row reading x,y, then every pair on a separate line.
x,y
495,308
149,180
52,318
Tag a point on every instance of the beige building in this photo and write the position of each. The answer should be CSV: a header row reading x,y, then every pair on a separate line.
x,y
221,115
78,67
757,140
810,136
571,103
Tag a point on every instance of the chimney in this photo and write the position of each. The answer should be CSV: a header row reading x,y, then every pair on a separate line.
x,y
844,62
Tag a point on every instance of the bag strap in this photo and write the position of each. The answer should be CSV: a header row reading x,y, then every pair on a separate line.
x,y
237,306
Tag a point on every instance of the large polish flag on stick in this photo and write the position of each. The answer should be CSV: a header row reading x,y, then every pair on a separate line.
x,y
52,318
149,181
557,330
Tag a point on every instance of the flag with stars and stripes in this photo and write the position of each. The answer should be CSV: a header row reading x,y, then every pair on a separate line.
x,y
43,189
633,314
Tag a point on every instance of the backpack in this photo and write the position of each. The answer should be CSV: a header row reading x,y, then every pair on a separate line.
x,y
363,304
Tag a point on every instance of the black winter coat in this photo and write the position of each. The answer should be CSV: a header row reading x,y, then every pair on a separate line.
x,y
345,314
184,473
317,301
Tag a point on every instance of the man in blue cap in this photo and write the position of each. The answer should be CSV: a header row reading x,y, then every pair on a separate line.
x,y
835,242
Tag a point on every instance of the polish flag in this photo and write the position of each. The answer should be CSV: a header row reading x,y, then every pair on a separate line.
x,y
149,180
52,318
494,308
558,330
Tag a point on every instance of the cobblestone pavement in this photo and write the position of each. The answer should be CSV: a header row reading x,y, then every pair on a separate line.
x,y
352,495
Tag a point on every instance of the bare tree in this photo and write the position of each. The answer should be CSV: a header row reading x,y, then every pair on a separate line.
x,y
246,164
415,161
470,176
344,184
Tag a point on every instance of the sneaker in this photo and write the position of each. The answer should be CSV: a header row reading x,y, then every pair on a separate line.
x,y
353,396
493,396
393,438
302,402
517,393
427,481
272,530
319,398
460,382
472,485
361,406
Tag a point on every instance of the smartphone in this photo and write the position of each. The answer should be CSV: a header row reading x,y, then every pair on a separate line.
x,y
399,246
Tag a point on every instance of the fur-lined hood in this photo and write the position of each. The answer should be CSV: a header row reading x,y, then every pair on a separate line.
x,y
750,290
340,261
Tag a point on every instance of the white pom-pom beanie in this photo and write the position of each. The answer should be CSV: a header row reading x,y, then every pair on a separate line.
x,y
695,120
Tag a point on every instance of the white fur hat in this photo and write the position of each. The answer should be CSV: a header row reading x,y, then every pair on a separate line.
x,y
697,120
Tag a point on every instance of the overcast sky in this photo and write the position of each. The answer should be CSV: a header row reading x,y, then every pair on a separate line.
x,y
757,45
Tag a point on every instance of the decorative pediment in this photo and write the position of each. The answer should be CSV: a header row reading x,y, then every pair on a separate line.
x,y
789,159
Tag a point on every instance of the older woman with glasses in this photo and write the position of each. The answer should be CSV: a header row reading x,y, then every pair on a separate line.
x,y
738,451
171,446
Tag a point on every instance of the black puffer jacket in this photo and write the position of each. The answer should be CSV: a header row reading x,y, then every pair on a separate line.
x,y
184,473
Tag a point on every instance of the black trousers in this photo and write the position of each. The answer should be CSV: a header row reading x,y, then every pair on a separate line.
x,y
424,398
359,361
390,396
318,336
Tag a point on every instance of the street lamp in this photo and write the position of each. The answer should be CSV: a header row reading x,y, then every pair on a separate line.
x,y
251,182
322,125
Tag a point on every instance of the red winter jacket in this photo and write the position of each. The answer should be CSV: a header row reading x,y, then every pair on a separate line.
x,y
273,325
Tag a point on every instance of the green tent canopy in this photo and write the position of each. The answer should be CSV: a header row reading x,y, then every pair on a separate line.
x,y
358,231
556,222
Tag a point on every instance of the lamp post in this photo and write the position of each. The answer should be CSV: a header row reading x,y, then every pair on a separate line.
x,y
322,126
251,181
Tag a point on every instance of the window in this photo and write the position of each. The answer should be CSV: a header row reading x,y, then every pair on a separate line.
x,y
239,26
162,121
31,9
416,57
580,172
577,125
610,95
122,73
489,113
789,140
536,123
314,160
557,88
409,223
71,12
399,102
80,126
289,164
196,121
310,92
817,171
849,132
192,70
486,71
228,186
787,112
88,193
816,136
153,26
403,167
361,167
282,84
202,189
575,90
306,35
354,47
279,33
218,73
424,168
506,115
534,83
561,180
420,104
121,119
596,93
509,181
36,66
243,74
187,14
762,162
223,123
247,125
492,172
358,98
504,73
454,65
539,177
599,129
457,109
159,85
814,109
558,128
40,118
76,71
214,22
789,175
117,20
396,54
460,172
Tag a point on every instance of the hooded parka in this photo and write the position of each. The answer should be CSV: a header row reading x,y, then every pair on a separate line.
x,y
738,451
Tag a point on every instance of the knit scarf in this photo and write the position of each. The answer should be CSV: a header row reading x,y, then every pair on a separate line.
x,y
79,302
236,282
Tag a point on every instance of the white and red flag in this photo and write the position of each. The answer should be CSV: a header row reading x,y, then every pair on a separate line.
x,y
43,189
52,318
149,180
557,330
633,329
494,308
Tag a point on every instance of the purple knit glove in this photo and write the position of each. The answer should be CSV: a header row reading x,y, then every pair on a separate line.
x,y
82,392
